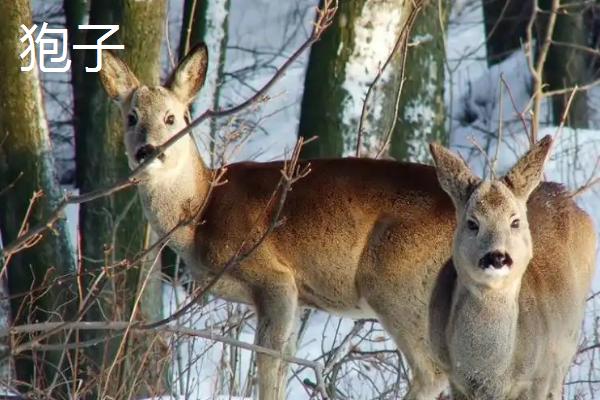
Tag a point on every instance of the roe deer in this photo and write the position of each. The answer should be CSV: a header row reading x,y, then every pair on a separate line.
x,y
360,237
505,326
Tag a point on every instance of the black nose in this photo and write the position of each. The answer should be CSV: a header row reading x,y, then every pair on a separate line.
x,y
144,152
496,259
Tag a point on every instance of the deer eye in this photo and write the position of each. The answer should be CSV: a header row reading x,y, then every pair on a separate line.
x,y
515,224
132,119
170,119
472,225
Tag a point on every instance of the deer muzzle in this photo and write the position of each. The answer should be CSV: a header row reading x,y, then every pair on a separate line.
x,y
495,259
146,151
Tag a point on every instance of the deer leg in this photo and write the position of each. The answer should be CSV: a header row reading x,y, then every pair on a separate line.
x,y
388,281
408,331
428,380
277,307
553,389
457,394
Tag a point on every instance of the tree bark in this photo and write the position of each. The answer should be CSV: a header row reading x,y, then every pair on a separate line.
x,y
114,228
422,117
505,23
565,65
27,166
341,68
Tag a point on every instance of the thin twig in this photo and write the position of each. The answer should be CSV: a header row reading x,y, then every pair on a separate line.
x,y
520,114
565,114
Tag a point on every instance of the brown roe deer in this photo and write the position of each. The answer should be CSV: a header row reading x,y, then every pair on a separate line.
x,y
503,324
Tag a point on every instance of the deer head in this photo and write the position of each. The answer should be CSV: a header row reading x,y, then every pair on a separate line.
x,y
152,114
492,242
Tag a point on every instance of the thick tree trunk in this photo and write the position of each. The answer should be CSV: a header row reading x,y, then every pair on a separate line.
x,y
341,67
27,166
565,65
505,24
114,228
75,13
421,112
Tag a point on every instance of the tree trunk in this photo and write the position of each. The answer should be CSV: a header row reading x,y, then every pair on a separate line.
x,y
505,24
566,66
421,116
75,12
26,166
114,228
341,67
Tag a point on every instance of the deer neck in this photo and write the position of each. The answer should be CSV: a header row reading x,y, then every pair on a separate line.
x,y
482,331
174,192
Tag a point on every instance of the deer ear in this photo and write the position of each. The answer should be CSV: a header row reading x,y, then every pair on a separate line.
x,y
117,79
188,78
454,175
526,175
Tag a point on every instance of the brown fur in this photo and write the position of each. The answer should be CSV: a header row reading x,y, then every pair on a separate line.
x,y
507,344
360,237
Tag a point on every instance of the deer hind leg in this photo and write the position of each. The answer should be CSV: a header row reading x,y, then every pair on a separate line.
x,y
277,310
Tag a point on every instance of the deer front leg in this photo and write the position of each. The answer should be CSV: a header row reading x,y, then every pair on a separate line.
x,y
277,309
457,394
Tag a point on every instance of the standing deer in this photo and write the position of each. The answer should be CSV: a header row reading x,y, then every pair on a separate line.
x,y
361,238
504,325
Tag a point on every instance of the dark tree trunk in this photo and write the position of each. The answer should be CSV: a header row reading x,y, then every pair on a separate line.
x,y
566,66
114,228
505,24
27,166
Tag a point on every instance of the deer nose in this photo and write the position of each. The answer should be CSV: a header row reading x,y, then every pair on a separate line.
x,y
496,259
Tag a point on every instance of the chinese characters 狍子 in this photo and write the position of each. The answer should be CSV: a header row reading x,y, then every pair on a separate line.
x,y
54,47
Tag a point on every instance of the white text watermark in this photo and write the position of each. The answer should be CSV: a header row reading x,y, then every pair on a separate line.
x,y
52,46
